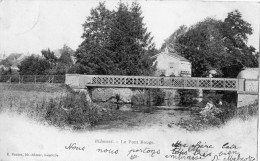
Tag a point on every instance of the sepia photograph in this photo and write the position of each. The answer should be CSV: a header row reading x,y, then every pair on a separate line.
x,y
94,80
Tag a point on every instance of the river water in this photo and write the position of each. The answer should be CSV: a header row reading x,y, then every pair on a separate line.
x,y
158,116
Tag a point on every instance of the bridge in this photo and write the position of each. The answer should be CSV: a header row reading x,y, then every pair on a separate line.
x,y
115,81
247,89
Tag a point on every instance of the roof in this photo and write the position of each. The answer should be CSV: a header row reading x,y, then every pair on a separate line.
x,y
249,73
173,53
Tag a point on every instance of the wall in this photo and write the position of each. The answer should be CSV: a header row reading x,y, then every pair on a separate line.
x,y
137,96
170,65
245,99
186,66
72,80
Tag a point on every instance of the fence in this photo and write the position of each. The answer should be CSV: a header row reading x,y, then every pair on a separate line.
x,y
32,78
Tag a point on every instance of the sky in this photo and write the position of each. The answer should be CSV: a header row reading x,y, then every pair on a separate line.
x,y
30,26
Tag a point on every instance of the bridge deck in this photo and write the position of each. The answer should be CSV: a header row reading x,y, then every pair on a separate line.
x,y
231,84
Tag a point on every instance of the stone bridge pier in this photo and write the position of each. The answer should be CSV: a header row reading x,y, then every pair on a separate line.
x,y
248,90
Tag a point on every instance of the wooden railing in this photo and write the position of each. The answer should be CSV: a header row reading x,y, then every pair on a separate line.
x,y
153,82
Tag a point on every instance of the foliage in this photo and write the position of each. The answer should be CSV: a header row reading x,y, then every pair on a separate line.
x,y
171,41
34,65
235,33
77,68
92,54
210,97
71,110
214,44
49,57
64,62
48,63
188,96
202,45
139,99
66,53
6,63
5,71
157,96
225,105
115,42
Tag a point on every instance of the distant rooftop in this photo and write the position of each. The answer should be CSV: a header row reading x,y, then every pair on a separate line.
x,y
172,53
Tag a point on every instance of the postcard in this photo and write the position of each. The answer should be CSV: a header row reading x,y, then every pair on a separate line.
x,y
129,80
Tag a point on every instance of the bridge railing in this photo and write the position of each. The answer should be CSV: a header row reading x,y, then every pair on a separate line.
x,y
154,82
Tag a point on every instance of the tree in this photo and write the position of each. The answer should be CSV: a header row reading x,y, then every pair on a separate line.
x,y
66,53
170,42
202,45
64,63
130,43
216,44
34,65
235,33
49,56
116,42
93,55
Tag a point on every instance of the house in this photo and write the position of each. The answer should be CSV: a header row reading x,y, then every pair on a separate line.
x,y
169,63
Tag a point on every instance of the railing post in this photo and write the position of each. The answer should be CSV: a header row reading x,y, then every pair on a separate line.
x,y
34,79
19,78
224,84
210,83
198,84
241,85
113,80
184,82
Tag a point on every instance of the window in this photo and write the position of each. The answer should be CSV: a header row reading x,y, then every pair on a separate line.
x,y
171,65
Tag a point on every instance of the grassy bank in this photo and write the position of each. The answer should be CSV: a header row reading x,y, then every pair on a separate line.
x,y
27,98
57,105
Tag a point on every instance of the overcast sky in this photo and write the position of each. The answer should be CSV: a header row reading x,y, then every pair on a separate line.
x,y
30,26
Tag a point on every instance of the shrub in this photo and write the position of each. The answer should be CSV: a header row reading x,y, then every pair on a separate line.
x,y
213,97
188,96
157,96
227,109
139,99
72,109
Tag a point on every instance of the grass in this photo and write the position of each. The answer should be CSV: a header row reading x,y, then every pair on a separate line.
x,y
200,122
56,105
28,98
59,106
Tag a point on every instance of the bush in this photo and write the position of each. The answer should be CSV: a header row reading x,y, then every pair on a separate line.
x,y
188,96
227,109
157,96
213,97
139,99
72,109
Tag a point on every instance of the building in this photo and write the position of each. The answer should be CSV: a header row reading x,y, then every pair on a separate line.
x,y
169,63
